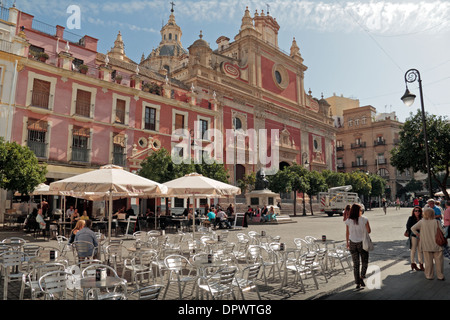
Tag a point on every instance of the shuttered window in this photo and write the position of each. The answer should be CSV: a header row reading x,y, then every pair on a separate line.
x,y
37,131
120,111
41,94
83,103
150,118
179,121
80,144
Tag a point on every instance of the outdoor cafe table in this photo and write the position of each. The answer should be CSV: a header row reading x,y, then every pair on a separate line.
x,y
284,255
44,257
90,282
325,243
61,226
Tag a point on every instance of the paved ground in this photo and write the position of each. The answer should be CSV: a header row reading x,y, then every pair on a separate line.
x,y
392,278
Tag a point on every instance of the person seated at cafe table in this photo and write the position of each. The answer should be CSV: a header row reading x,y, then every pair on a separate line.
x,y
223,219
84,216
40,219
75,216
86,234
212,217
80,225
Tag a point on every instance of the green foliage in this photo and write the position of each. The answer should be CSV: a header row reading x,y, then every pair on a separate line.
x,y
410,153
247,184
19,168
413,185
292,178
378,185
160,167
333,179
317,183
213,170
359,182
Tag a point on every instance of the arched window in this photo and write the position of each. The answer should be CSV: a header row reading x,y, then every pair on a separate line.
x,y
237,123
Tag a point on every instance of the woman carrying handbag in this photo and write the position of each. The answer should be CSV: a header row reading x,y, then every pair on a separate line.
x,y
357,227
415,217
427,229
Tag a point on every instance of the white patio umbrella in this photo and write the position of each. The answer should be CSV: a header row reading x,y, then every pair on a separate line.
x,y
441,193
196,185
111,182
41,189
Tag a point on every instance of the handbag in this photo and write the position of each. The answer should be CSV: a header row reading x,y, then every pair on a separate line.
x,y
367,242
406,234
440,239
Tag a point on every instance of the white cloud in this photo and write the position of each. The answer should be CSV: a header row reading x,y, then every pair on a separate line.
x,y
391,17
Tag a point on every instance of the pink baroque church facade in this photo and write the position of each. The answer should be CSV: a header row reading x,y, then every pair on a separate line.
x,y
79,109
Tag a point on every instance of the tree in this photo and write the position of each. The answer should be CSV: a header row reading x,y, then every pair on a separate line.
x,y
317,184
247,183
19,168
333,179
160,167
359,182
378,185
212,169
292,178
413,185
410,153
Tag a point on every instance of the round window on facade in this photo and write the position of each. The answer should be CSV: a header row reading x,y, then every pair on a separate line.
x,y
142,142
280,76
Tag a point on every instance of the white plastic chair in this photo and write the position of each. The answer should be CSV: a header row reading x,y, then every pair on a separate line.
x,y
340,254
13,269
302,267
31,279
247,279
219,284
55,284
119,291
140,266
181,271
83,250
148,293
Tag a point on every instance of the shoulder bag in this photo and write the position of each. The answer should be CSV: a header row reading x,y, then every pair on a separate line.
x,y
367,242
440,239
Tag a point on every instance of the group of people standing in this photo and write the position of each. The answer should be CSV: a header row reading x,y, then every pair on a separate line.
x,y
421,229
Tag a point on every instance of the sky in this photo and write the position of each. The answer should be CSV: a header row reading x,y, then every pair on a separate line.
x,y
355,49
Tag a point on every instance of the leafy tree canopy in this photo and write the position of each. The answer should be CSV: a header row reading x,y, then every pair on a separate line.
x,y
19,168
410,153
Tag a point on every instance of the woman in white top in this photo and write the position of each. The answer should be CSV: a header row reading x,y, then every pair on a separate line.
x,y
356,226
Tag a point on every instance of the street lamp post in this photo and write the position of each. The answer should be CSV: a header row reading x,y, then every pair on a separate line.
x,y
408,99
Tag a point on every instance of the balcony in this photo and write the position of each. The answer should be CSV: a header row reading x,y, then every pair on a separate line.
x,y
40,99
340,148
39,148
379,142
83,109
381,161
358,164
119,159
341,166
358,145
80,154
